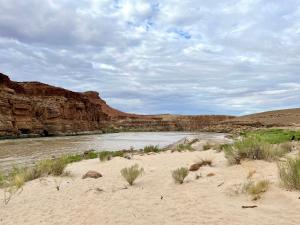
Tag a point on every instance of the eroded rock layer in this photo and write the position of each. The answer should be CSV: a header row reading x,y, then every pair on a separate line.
x,y
39,109
33,108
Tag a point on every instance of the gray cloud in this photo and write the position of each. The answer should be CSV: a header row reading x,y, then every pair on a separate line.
x,y
190,57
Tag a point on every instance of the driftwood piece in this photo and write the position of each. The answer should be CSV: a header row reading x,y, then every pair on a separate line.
x,y
249,206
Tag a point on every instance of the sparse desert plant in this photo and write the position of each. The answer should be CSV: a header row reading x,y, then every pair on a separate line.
x,y
252,148
286,147
221,147
289,173
151,148
2,178
205,162
74,158
255,189
118,154
207,146
130,174
53,167
58,166
184,147
180,174
105,156
90,155
19,180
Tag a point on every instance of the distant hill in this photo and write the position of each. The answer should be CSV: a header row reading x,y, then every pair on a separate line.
x,y
284,117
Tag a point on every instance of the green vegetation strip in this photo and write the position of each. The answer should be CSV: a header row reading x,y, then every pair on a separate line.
x,y
274,136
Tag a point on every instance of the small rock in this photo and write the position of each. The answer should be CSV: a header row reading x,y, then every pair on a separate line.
x,y
92,174
195,167
210,175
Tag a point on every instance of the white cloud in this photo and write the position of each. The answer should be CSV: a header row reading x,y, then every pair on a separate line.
x,y
191,57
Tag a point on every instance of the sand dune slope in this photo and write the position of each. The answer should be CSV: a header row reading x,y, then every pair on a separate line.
x,y
154,199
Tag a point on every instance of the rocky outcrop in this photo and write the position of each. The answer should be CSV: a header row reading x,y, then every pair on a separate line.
x,y
37,109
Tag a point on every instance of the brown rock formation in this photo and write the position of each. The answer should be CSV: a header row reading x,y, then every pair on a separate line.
x,y
33,108
39,109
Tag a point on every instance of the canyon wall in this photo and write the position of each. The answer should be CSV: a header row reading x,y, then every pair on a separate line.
x,y
37,109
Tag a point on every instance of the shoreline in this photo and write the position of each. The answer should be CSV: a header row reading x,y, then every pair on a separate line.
x,y
187,135
87,133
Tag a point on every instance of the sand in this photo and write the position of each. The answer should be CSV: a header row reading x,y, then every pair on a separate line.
x,y
155,199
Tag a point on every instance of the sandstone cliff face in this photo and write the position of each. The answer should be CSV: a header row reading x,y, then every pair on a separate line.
x,y
39,109
33,108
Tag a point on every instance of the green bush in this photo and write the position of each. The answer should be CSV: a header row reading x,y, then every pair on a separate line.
x,y
91,155
53,167
130,174
105,156
180,174
74,158
151,148
289,173
118,154
252,147
184,147
2,178
207,146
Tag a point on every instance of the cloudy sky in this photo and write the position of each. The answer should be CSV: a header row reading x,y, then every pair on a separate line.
x,y
167,56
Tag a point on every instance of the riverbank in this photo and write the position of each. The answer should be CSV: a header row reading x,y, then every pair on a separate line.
x,y
154,198
23,152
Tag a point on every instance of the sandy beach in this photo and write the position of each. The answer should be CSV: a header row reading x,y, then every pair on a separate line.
x,y
154,198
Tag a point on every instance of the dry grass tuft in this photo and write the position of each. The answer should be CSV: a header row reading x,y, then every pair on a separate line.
x,y
253,148
180,174
130,174
289,173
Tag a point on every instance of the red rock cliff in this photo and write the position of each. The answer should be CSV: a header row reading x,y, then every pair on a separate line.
x,y
36,108
33,108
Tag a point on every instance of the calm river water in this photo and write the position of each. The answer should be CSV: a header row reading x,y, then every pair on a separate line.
x,y
27,151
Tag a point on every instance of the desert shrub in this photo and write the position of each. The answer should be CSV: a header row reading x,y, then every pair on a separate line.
x,y
207,146
118,154
255,189
205,162
252,148
19,180
53,167
130,174
74,158
2,178
105,156
180,174
151,148
286,146
184,147
58,166
289,173
90,155
221,147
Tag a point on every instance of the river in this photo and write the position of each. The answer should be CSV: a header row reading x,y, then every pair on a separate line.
x,y
26,151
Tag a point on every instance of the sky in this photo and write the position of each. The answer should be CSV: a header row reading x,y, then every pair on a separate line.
x,y
169,56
